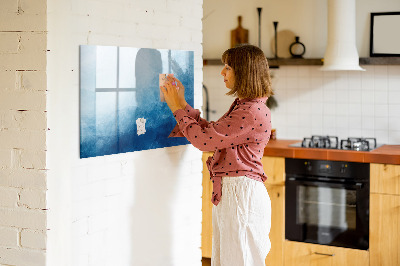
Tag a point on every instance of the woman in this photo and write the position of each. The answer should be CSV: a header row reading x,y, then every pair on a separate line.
x,y
242,211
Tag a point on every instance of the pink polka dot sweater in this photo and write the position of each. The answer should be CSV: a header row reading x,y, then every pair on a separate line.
x,y
238,139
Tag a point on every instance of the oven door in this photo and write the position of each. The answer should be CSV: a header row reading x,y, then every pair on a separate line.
x,y
327,213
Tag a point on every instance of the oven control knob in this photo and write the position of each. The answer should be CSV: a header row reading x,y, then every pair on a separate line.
x,y
343,168
308,166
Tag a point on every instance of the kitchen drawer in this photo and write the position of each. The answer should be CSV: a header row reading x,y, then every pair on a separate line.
x,y
305,254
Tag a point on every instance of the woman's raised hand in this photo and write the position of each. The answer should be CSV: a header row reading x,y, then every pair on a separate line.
x,y
181,90
174,94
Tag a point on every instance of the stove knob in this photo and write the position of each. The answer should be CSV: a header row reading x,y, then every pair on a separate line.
x,y
308,166
343,168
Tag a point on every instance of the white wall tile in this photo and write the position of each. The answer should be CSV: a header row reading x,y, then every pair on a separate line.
x,y
342,96
355,109
394,137
394,110
394,70
354,80
304,82
355,132
291,71
367,133
368,122
342,109
381,83
331,100
329,109
381,124
381,97
342,80
394,97
367,110
342,122
382,136
394,82
292,82
380,71
394,123
367,96
381,110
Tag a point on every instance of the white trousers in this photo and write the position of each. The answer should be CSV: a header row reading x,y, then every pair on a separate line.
x,y
241,223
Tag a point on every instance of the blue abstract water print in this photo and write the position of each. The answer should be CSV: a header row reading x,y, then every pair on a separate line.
x,y
120,107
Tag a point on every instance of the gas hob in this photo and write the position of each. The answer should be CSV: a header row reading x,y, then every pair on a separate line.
x,y
332,142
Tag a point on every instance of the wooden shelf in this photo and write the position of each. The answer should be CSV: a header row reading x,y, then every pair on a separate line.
x,y
380,61
274,63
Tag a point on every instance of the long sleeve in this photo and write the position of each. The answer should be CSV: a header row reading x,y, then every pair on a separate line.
x,y
232,130
193,113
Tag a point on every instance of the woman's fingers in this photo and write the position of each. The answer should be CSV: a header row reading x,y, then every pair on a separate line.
x,y
164,90
179,89
171,87
179,83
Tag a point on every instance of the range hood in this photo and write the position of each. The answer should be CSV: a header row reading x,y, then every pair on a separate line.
x,y
341,51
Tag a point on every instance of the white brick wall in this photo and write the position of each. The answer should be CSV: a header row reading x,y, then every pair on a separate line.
x,y
99,208
23,132
140,208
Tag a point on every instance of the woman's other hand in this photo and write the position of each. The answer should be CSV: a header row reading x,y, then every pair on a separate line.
x,y
174,94
181,90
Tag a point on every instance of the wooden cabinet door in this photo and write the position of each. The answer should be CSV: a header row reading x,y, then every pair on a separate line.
x,y
384,230
277,233
304,254
385,178
206,225
274,168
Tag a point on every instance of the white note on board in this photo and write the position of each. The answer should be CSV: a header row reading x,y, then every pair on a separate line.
x,y
141,126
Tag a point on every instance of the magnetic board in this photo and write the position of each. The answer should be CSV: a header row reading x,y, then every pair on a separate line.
x,y
120,106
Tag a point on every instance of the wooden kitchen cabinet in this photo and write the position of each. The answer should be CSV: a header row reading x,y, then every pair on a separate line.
x,y
274,168
385,215
277,233
206,225
384,236
305,254
385,178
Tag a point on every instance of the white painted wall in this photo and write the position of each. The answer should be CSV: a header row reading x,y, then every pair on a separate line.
x,y
311,102
23,133
306,19
140,208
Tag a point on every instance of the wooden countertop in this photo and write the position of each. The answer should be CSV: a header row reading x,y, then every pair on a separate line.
x,y
389,154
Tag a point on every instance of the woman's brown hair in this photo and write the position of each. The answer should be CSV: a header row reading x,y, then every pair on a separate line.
x,y
250,66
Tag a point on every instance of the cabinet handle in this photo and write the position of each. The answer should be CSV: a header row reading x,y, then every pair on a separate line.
x,y
324,254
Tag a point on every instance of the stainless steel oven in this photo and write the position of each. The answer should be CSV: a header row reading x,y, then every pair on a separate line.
x,y
327,202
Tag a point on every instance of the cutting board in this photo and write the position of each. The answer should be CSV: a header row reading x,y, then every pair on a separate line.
x,y
239,35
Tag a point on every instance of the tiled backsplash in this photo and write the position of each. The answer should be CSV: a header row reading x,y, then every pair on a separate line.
x,y
314,102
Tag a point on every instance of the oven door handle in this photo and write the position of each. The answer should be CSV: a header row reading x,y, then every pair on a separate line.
x,y
352,185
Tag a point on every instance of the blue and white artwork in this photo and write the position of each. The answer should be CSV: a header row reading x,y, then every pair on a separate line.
x,y
120,107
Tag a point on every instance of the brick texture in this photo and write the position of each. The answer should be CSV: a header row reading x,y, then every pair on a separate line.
x,y
23,126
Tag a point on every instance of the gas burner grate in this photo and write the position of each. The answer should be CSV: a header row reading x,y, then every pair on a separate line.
x,y
358,144
327,142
